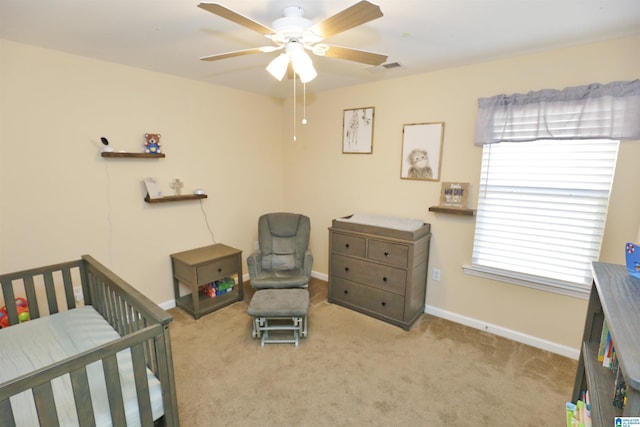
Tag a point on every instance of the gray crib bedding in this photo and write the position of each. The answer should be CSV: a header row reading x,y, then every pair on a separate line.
x,y
38,343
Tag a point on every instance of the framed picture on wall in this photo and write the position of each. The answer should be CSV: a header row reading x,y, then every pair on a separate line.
x,y
357,131
422,151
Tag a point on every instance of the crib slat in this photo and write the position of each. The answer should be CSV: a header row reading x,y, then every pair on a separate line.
x,y
68,288
82,397
51,292
121,316
45,405
30,291
166,374
114,390
8,295
142,385
6,414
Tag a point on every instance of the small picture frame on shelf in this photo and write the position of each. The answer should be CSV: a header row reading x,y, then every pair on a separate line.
x,y
153,188
357,131
454,195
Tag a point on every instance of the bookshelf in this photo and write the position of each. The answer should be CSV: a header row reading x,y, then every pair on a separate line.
x,y
615,296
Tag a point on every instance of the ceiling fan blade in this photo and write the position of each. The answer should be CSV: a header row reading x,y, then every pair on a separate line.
x,y
231,54
358,14
233,16
355,55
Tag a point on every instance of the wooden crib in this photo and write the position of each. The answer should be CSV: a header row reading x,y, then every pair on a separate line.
x,y
132,358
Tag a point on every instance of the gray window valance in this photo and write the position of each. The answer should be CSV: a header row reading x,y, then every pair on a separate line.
x,y
609,110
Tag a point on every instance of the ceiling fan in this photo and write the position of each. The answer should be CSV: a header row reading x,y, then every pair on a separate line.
x,y
295,35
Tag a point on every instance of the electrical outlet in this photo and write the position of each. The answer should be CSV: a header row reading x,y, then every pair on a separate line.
x,y
435,274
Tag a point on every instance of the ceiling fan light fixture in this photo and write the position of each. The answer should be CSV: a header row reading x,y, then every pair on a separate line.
x,y
303,66
278,67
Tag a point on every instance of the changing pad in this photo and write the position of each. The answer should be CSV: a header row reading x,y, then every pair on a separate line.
x,y
396,223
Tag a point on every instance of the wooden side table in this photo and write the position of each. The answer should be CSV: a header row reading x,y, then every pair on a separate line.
x,y
201,266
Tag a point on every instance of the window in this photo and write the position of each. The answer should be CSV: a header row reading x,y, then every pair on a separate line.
x,y
541,212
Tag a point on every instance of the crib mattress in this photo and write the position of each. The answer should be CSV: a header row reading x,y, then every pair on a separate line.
x,y
40,342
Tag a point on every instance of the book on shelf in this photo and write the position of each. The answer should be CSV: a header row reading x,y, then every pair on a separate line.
x,y
578,414
609,358
603,340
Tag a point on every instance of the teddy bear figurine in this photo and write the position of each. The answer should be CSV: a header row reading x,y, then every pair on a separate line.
x,y
152,143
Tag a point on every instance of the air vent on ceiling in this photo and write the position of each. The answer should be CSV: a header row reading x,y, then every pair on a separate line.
x,y
384,67
391,65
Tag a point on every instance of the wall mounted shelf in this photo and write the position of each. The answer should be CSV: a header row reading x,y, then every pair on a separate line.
x,y
467,212
133,155
175,198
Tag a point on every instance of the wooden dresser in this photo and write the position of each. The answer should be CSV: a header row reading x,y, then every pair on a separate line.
x,y
378,271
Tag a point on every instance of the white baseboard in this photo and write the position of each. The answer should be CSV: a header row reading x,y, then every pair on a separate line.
x,y
505,333
168,304
320,276
467,321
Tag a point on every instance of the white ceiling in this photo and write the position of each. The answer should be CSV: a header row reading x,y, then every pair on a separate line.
x,y
170,36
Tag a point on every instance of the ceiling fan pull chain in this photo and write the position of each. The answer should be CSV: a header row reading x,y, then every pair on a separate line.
x,y
304,103
294,106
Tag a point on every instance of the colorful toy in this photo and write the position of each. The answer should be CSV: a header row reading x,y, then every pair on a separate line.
x,y
22,307
152,143
219,287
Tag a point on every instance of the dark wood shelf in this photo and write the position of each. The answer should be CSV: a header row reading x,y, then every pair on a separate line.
x,y
134,155
455,211
175,198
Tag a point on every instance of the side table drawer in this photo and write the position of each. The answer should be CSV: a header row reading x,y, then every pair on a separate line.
x,y
216,270
390,253
374,300
347,244
375,275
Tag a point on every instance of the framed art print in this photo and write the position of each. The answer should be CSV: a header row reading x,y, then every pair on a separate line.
x,y
422,151
357,131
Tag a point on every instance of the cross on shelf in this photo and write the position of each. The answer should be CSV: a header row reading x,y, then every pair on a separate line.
x,y
177,185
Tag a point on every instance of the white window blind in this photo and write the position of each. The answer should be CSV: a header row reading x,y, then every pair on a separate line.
x,y
541,211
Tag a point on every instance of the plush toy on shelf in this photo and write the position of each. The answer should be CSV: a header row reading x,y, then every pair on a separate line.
x,y
23,312
152,143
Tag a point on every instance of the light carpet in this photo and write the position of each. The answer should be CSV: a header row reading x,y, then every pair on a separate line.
x,y
353,370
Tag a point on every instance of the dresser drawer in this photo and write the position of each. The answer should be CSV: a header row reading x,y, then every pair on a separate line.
x,y
349,245
390,253
371,274
374,300
216,270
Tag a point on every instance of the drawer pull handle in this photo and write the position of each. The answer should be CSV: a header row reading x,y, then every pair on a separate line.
x,y
346,269
386,254
384,279
346,245
219,270
346,291
383,304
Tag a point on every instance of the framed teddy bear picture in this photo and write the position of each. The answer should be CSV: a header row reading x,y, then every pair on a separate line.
x,y
422,151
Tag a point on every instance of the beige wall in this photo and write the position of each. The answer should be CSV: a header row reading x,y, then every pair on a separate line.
x,y
60,199
337,184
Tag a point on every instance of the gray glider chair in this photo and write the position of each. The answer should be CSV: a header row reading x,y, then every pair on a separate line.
x,y
283,259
